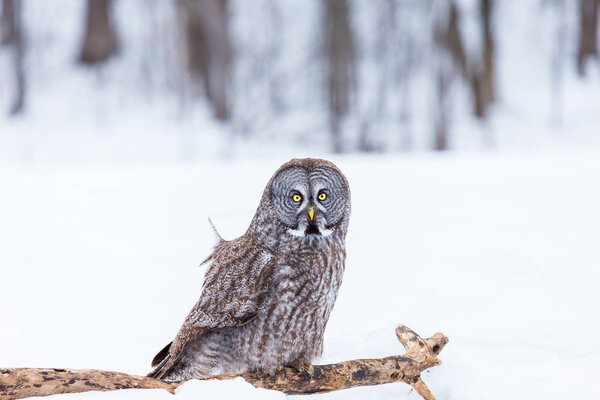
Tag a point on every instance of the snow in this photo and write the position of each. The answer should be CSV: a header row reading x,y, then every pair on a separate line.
x,y
497,251
107,181
191,390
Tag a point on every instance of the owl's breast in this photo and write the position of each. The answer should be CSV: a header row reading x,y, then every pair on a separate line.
x,y
303,291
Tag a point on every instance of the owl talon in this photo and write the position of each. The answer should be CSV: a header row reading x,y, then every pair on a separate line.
x,y
302,366
310,369
276,371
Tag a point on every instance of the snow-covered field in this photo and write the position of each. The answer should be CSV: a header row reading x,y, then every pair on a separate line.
x,y
99,266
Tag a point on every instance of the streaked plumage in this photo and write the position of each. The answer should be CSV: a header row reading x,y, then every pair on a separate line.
x,y
268,294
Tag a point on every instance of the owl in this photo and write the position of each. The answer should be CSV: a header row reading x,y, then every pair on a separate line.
x,y
268,294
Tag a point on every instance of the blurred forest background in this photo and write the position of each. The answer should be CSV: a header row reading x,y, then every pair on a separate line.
x,y
211,76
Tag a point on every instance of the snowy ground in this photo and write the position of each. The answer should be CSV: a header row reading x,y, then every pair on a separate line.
x,y
499,252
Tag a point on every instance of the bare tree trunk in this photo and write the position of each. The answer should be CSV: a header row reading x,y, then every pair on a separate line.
x,y
482,78
100,40
12,35
447,36
209,51
7,23
340,61
588,33
443,77
558,60
478,73
404,69
275,49
450,60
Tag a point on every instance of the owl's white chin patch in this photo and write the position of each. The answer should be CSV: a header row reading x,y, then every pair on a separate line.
x,y
296,232
325,231
302,232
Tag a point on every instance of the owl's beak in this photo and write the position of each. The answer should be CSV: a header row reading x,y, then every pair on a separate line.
x,y
311,212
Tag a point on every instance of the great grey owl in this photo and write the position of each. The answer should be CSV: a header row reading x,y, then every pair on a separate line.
x,y
267,295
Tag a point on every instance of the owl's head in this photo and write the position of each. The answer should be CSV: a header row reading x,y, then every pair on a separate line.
x,y
310,197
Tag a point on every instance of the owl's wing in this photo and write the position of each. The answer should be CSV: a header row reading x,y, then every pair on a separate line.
x,y
233,294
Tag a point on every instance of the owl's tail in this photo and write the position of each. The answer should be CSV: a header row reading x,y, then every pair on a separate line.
x,y
159,362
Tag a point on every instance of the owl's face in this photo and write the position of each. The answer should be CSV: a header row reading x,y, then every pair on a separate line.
x,y
309,201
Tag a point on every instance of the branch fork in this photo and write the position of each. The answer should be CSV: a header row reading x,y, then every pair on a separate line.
x,y
19,383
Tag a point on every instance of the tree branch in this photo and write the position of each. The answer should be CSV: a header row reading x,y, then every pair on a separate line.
x,y
19,383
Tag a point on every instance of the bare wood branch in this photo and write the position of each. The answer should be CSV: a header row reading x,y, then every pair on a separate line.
x,y
19,383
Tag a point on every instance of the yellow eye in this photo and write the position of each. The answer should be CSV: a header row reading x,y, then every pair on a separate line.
x,y
297,198
322,196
